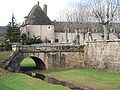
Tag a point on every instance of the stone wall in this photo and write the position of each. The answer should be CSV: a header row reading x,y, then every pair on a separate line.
x,y
100,55
103,55
47,57
61,60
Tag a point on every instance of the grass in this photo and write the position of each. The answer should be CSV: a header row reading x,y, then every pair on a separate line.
x,y
27,62
5,54
17,81
87,77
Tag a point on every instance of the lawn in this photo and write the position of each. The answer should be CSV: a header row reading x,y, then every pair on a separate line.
x,y
87,77
28,62
5,54
84,77
17,81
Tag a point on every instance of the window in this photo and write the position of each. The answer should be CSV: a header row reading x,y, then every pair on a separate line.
x,y
49,28
94,30
113,30
56,40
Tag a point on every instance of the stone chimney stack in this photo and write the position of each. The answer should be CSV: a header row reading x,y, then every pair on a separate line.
x,y
45,9
25,18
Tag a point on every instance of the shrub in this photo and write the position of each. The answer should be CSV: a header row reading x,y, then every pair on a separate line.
x,y
5,46
30,41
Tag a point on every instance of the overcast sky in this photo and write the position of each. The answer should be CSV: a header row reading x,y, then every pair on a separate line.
x,y
21,8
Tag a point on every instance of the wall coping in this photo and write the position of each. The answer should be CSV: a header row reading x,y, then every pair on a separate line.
x,y
116,40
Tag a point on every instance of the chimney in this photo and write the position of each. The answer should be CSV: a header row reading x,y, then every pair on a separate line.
x,y
38,2
45,9
25,18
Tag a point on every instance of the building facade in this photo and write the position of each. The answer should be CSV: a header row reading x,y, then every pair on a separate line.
x,y
38,24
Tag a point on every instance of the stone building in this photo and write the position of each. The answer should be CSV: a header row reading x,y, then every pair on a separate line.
x,y
37,23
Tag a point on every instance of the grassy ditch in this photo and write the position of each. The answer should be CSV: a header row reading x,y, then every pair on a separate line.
x,y
87,77
17,81
84,77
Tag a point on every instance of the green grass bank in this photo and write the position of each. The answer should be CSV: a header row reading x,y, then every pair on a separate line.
x,y
18,81
86,77
5,54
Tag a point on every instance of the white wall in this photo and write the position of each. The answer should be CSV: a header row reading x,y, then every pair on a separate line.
x,y
71,36
96,36
112,36
39,30
45,31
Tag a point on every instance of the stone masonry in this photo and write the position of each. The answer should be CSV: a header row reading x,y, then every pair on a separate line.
x,y
103,55
47,57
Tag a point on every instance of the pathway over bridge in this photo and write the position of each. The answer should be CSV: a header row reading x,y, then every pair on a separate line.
x,y
48,57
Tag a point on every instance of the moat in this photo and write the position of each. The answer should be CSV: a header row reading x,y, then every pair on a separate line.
x,y
31,71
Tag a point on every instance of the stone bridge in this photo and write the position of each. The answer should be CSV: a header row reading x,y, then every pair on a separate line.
x,y
47,57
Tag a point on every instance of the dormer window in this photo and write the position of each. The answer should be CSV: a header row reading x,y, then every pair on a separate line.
x,y
113,30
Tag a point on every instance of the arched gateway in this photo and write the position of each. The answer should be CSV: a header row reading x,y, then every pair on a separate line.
x,y
47,57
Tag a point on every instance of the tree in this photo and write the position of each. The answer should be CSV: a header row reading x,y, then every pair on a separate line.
x,y
23,38
28,41
12,31
78,18
105,12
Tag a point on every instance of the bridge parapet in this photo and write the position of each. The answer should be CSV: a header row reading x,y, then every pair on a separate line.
x,y
49,48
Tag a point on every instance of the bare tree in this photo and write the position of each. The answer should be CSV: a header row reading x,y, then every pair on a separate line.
x,y
105,12
78,17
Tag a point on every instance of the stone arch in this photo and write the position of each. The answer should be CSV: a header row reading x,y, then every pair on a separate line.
x,y
39,63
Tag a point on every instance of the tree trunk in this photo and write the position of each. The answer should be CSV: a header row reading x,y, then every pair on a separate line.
x,y
106,32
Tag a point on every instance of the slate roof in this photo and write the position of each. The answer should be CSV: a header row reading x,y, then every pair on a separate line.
x,y
59,26
37,17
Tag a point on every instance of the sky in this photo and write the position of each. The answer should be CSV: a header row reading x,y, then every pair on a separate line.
x,y
21,8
